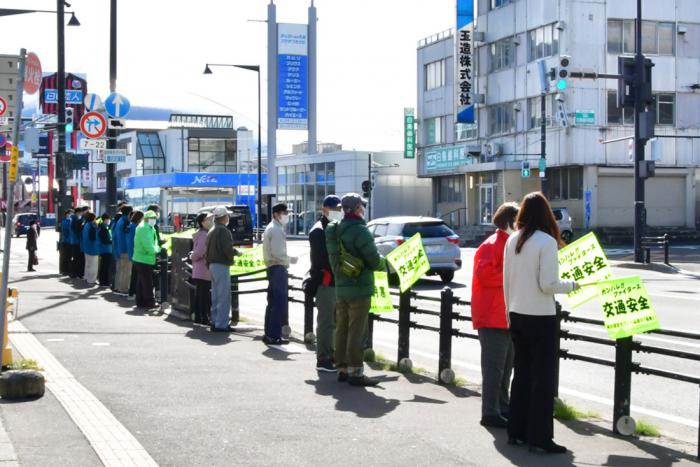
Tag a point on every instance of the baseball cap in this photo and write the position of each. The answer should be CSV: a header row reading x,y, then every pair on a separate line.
x,y
150,215
331,201
352,201
220,211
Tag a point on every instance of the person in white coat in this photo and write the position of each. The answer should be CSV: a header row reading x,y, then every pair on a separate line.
x,y
530,281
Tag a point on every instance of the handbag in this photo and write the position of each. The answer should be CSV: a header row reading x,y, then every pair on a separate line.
x,y
349,265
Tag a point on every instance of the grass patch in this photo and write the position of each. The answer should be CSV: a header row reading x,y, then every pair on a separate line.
x,y
25,364
564,411
379,362
243,319
645,428
459,382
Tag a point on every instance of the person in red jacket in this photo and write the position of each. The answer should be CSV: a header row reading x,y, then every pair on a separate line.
x,y
489,319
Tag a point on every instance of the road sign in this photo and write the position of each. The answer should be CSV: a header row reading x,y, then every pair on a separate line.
x,y
94,144
115,155
116,123
3,106
32,73
93,125
4,120
80,161
584,117
92,102
14,162
3,140
117,106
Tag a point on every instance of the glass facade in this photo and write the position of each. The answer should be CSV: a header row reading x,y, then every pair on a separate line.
x,y
302,188
212,155
150,158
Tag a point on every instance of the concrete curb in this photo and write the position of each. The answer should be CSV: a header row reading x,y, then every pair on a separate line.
x,y
656,267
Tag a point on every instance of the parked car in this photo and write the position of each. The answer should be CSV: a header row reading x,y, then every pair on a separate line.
x,y
20,223
440,242
240,223
564,221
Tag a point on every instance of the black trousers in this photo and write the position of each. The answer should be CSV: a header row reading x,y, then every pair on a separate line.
x,y
202,301
75,255
534,378
144,285
132,281
104,269
64,256
30,260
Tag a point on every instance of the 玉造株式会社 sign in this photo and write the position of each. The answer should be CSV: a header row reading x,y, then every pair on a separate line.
x,y
292,77
464,61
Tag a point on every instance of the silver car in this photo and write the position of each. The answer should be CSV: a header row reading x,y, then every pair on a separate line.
x,y
564,221
440,242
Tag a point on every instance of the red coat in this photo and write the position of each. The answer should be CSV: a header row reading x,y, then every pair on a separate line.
x,y
488,302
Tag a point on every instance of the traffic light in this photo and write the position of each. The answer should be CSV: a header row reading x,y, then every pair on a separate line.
x,y
525,169
366,188
69,120
563,72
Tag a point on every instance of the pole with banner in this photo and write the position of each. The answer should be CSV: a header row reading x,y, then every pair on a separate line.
x,y
12,178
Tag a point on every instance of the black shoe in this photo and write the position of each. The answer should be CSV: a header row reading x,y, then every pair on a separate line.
x,y
280,341
226,329
342,376
494,421
549,448
267,340
512,440
326,366
361,381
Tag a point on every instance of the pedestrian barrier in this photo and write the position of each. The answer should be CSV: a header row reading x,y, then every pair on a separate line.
x,y
655,242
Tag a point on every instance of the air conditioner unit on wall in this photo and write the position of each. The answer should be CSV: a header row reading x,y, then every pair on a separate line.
x,y
493,149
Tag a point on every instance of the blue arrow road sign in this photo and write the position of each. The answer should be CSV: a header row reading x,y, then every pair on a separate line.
x,y
117,106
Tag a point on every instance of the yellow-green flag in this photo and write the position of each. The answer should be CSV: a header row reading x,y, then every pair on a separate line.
x,y
168,245
409,262
381,300
583,261
250,261
627,309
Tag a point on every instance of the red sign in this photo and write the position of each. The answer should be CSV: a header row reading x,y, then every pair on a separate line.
x,y
93,125
3,106
32,73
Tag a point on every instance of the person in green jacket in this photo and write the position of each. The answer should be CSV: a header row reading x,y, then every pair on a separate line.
x,y
146,247
353,294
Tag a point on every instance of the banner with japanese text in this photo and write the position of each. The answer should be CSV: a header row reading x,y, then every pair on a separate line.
x,y
250,261
583,261
381,300
627,309
409,262
168,243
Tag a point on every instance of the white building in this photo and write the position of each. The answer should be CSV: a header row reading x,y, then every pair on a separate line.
x,y
476,167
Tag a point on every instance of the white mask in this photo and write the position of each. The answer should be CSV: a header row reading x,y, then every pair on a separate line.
x,y
284,219
107,222
334,215
152,222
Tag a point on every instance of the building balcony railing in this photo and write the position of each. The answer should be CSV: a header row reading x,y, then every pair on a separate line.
x,y
442,35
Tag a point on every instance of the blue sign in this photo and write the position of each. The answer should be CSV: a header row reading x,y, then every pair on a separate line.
x,y
464,62
587,200
3,140
117,106
293,98
193,180
73,96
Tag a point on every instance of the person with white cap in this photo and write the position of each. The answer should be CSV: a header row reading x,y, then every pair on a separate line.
x,y
219,258
277,261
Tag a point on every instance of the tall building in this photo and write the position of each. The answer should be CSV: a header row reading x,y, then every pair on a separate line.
x,y
476,167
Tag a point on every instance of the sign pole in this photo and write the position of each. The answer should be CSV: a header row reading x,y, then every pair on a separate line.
x,y
12,178
112,134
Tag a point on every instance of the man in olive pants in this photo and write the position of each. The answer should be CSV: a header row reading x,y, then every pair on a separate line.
x,y
353,294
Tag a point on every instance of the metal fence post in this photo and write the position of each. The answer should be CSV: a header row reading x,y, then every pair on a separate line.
x,y
163,277
235,309
404,325
666,243
560,316
445,354
623,379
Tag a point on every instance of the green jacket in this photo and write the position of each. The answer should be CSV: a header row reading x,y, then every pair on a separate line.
x,y
146,245
359,243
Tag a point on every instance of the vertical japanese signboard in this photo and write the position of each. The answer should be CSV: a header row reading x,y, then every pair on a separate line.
x,y
292,79
409,134
464,61
381,299
583,261
627,309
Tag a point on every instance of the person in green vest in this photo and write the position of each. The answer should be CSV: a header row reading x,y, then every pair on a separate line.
x,y
146,247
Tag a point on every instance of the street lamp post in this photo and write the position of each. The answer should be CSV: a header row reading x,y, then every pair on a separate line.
x,y
255,68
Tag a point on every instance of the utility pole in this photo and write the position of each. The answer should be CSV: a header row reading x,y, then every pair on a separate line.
x,y
640,217
543,136
111,133
369,192
61,162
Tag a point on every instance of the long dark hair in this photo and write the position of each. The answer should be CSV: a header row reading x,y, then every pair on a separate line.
x,y
536,214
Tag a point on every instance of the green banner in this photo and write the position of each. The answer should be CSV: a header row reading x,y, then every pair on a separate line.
x,y
381,300
250,261
409,262
409,134
627,309
168,245
583,261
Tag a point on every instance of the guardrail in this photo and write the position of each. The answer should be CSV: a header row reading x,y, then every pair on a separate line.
x,y
655,242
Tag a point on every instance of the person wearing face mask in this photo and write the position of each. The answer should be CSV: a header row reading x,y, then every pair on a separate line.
x,y
104,249
31,246
200,273
219,258
78,253
65,245
322,284
489,319
90,248
277,262
146,248
135,219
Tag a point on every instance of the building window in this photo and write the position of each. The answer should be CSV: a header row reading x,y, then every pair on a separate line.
x,y
212,155
499,3
565,183
542,42
502,54
433,131
451,189
149,153
657,37
500,118
466,131
533,105
665,110
435,75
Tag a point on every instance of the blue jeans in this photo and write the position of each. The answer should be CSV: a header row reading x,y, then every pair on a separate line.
x,y
220,295
277,311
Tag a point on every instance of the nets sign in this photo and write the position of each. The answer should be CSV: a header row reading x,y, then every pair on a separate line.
x,y
292,79
250,261
409,262
583,261
381,299
627,309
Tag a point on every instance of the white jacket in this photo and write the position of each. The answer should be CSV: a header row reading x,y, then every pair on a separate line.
x,y
531,277
275,245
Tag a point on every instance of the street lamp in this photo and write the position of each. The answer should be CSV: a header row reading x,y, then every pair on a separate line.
x,y
255,68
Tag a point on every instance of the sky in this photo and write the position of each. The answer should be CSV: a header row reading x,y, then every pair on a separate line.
x,y
366,57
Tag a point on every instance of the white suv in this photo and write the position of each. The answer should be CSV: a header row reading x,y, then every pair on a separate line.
x,y
564,221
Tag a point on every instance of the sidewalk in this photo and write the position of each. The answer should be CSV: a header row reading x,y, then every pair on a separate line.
x,y
191,397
